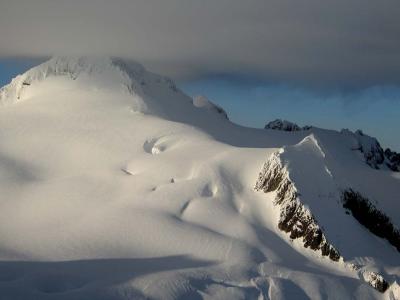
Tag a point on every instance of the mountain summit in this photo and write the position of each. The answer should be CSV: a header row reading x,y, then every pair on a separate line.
x,y
114,184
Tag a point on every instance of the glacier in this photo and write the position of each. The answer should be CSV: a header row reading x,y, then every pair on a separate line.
x,y
115,184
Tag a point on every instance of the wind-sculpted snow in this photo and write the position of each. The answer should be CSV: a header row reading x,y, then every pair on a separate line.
x,y
99,72
69,67
309,199
203,102
116,185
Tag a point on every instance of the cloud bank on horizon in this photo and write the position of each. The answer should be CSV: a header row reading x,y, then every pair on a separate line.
x,y
339,43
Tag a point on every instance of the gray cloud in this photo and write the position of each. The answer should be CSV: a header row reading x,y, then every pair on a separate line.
x,y
353,42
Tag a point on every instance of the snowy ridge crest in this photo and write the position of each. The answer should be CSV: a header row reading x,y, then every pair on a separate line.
x,y
295,218
306,192
106,70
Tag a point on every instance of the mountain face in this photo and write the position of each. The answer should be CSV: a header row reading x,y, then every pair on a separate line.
x,y
393,160
285,125
114,184
295,218
369,146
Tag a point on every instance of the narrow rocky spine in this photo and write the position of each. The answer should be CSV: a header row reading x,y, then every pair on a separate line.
x,y
295,218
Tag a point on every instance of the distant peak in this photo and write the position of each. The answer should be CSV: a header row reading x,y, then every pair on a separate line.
x,y
373,153
285,125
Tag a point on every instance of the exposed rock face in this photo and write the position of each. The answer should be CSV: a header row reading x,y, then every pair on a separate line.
x,y
372,150
203,102
284,125
307,192
295,218
371,217
376,281
393,160
372,278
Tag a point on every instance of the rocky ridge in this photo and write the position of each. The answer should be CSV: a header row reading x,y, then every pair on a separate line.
x,y
370,147
285,125
295,218
296,215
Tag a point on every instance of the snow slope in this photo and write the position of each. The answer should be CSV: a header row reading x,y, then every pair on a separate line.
x,y
116,185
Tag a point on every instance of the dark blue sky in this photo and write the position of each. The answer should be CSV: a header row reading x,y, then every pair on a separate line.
x,y
11,67
252,102
375,110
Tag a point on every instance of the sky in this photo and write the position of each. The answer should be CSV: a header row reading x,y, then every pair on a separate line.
x,y
332,64
375,110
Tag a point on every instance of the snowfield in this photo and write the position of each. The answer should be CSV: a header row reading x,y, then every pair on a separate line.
x,y
116,185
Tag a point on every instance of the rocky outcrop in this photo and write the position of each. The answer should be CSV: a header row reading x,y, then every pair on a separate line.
x,y
369,146
372,151
393,160
284,125
308,196
295,218
371,217
376,281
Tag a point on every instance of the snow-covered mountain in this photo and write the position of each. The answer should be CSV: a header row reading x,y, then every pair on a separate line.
x,y
114,184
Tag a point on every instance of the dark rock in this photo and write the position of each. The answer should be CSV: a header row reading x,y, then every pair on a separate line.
x,y
369,146
393,160
376,281
371,217
294,219
284,125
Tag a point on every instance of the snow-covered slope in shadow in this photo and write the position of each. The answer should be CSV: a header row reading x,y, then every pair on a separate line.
x,y
114,185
